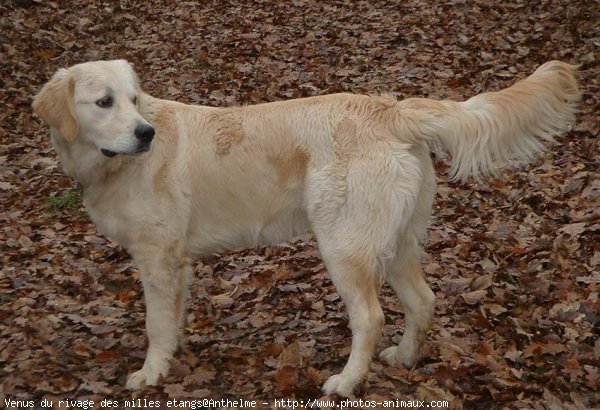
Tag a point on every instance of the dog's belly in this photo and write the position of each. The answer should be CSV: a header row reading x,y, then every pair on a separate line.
x,y
228,229
284,228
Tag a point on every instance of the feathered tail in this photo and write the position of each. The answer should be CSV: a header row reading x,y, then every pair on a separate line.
x,y
491,129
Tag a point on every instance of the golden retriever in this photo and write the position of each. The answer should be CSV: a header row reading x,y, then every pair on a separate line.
x,y
171,182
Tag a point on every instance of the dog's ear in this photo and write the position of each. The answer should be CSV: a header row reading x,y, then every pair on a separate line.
x,y
138,88
136,79
54,104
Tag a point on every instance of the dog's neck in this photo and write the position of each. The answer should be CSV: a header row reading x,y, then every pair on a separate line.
x,y
85,163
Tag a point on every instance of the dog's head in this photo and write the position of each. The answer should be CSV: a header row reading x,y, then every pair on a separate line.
x,y
96,102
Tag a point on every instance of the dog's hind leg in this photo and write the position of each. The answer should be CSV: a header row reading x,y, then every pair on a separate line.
x,y
405,276
357,205
349,209
165,274
358,286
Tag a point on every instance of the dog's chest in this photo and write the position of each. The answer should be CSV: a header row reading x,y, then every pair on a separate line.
x,y
129,220
113,224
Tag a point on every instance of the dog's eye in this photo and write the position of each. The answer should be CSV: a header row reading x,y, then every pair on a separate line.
x,y
105,102
134,100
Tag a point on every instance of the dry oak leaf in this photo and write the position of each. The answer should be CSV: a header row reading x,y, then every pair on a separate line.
x,y
473,298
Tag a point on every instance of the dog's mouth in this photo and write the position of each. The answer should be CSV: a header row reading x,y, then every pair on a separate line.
x,y
108,153
140,149
143,147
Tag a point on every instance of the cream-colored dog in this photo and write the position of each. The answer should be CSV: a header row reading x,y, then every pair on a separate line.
x,y
171,182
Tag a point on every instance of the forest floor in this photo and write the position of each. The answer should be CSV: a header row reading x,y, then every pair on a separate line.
x,y
514,261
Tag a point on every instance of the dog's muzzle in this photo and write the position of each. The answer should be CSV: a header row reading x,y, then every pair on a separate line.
x,y
144,133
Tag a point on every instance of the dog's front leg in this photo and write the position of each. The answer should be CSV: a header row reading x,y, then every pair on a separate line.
x,y
165,281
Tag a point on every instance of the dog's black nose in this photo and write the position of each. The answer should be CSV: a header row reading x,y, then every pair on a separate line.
x,y
144,132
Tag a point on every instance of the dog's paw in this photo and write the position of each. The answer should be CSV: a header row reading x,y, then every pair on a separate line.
x,y
396,356
155,366
142,378
339,384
